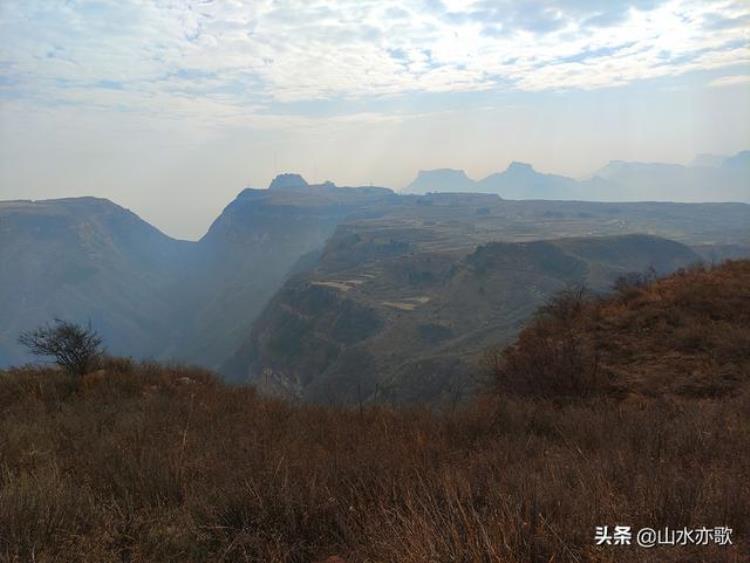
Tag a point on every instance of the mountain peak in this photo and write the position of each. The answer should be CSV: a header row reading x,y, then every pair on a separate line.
x,y
288,181
517,167
441,179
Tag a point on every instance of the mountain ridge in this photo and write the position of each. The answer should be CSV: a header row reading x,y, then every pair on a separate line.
x,y
618,180
157,297
415,331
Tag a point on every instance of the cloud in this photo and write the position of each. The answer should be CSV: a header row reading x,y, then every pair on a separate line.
x,y
219,60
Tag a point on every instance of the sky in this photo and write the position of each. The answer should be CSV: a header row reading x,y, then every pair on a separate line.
x,y
171,108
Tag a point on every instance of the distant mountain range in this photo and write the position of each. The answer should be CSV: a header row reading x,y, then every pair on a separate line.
x,y
354,280
707,178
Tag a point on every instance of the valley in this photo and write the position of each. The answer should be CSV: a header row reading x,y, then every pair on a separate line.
x,y
296,287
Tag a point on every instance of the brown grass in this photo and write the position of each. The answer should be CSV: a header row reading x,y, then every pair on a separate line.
x,y
687,335
143,462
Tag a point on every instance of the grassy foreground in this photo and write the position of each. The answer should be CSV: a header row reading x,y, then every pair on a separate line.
x,y
141,462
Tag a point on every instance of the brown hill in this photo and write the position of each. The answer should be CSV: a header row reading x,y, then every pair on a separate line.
x,y
140,462
685,335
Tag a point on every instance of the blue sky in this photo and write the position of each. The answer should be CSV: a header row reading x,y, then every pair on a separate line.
x,y
170,108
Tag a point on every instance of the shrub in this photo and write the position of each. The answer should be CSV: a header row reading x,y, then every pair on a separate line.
x,y
549,366
551,358
74,348
630,285
566,305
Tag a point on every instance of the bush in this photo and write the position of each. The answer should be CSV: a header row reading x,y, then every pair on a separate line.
x,y
565,306
74,348
551,358
547,366
630,285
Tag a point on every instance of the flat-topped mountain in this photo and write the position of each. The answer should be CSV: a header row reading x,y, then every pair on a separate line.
x,y
521,181
288,181
707,178
441,180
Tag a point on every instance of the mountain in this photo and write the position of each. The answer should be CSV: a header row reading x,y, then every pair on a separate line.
x,y
518,181
521,181
707,178
248,252
85,259
441,180
152,296
387,318
708,160
288,181
725,180
740,162
200,302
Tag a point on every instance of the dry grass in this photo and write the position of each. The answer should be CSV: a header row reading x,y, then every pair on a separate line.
x,y
687,335
157,463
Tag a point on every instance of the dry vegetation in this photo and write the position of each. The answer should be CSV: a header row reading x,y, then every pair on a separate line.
x,y
139,462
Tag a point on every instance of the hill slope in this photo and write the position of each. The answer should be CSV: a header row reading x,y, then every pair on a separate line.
x,y
152,296
85,259
249,251
380,319
139,462
686,335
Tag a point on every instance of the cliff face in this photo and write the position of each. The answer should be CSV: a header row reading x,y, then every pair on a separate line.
x,y
384,318
248,252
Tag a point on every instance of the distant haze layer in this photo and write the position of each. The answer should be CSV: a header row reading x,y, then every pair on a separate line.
x,y
172,108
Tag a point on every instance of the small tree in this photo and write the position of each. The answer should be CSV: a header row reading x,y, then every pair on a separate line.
x,y
74,348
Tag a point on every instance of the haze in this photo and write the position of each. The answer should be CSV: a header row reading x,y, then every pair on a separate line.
x,y
170,109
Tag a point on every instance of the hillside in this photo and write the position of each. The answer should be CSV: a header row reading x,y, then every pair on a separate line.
x,y
139,462
85,259
686,335
381,318
155,297
152,296
249,251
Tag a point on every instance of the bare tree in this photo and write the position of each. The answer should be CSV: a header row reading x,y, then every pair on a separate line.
x,y
75,348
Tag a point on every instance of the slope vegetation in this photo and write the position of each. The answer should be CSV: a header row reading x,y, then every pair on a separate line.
x,y
687,335
140,462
